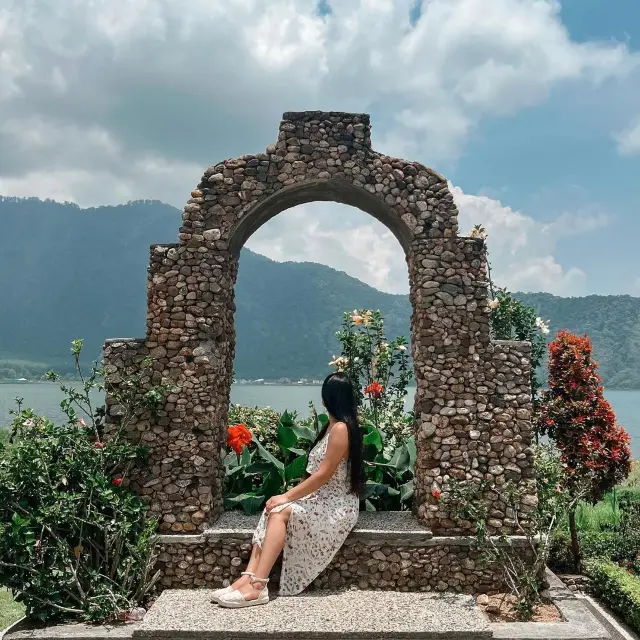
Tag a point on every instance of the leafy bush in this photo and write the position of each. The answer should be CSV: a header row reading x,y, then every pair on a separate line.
x,y
74,541
253,474
611,545
522,569
617,588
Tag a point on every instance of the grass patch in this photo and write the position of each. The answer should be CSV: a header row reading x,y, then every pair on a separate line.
x,y
10,611
606,514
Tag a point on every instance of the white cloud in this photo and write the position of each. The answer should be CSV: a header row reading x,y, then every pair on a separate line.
x,y
522,250
191,87
629,139
113,100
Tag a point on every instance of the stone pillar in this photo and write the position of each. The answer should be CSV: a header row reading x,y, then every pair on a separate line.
x,y
190,337
450,328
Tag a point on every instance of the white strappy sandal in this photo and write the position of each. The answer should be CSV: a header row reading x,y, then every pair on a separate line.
x,y
235,600
216,595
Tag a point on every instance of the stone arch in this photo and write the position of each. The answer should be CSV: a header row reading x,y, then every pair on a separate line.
x,y
327,190
470,392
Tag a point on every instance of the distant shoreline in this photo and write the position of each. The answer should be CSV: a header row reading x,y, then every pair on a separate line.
x,y
243,383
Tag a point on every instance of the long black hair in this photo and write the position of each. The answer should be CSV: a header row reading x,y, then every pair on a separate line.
x,y
339,399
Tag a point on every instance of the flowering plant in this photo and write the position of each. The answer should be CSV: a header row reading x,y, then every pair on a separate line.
x,y
75,542
574,414
380,370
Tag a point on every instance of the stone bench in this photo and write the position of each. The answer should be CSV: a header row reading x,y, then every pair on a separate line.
x,y
386,550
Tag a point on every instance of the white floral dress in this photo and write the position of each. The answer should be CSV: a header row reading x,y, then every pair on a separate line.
x,y
318,526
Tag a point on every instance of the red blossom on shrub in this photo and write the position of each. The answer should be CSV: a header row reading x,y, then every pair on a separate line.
x,y
595,450
436,493
98,445
238,436
116,482
375,390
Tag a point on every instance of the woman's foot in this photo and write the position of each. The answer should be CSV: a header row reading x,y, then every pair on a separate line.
x,y
243,581
252,594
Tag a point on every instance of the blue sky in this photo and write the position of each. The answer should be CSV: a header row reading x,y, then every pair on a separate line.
x,y
531,108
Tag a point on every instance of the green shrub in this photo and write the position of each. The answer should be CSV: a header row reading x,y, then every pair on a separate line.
x,y
611,545
617,588
75,542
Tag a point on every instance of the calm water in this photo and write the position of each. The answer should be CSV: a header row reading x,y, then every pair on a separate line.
x,y
45,398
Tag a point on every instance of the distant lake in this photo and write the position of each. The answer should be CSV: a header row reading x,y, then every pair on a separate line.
x,y
45,398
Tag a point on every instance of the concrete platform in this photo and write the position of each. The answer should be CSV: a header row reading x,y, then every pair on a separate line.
x,y
393,528
189,615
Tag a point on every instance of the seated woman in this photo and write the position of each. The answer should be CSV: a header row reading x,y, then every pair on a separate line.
x,y
311,521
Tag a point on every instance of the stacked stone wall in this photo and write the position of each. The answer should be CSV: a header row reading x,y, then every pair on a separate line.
x,y
472,403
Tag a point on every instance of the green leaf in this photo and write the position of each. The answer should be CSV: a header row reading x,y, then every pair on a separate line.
x,y
406,491
378,490
296,469
287,419
250,502
286,437
272,485
303,433
373,438
245,457
259,468
270,458
298,452
368,505
400,459
231,459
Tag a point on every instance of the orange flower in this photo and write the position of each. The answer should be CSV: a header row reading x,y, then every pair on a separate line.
x,y
237,436
374,390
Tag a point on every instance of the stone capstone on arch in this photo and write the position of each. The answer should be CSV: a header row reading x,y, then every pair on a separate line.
x,y
473,399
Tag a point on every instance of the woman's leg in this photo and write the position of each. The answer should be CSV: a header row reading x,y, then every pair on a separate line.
x,y
271,548
252,565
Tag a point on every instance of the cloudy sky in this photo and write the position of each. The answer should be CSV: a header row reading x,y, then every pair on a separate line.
x,y
531,108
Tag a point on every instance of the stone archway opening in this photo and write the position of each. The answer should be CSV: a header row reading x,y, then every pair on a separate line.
x,y
298,321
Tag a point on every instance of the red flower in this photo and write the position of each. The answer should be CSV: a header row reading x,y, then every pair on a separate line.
x,y
238,436
436,493
375,390
98,445
116,482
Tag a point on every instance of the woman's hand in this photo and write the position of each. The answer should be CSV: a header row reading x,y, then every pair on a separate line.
x,y
276,501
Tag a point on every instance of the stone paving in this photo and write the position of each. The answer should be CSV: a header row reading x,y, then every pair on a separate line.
x,y
351,614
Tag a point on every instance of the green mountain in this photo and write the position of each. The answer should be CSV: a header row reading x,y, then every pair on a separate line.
x,y
69,272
